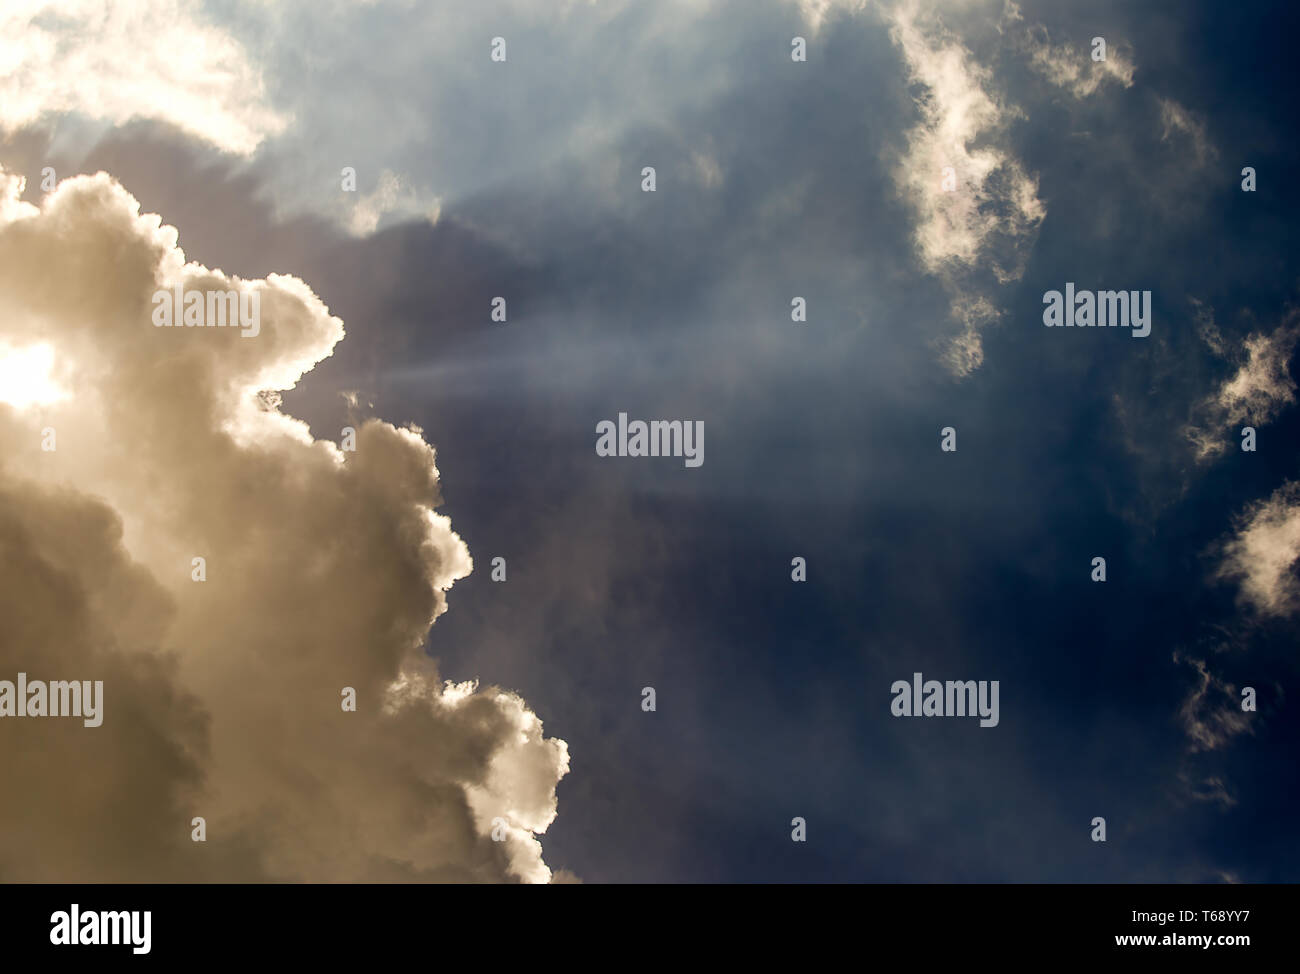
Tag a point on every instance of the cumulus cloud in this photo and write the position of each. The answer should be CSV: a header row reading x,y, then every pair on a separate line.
x,y
1259,389
324,570
1261,554
993,211
157,59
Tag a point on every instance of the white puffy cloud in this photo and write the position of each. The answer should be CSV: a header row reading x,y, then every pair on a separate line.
x,y
1261,554
114,62
324,570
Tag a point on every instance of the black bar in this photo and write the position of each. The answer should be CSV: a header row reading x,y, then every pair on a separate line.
x,y
514,925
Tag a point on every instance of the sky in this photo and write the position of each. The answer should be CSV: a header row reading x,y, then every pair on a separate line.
x,y
922,175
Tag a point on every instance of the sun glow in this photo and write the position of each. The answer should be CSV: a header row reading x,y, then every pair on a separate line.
x,y
26,376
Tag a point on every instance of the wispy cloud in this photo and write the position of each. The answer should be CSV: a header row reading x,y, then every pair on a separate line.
x,y
1259,389
1180,126
1072,67
989,211
1212,713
